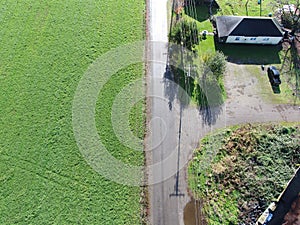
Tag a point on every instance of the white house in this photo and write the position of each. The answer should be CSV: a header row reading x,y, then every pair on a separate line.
x,y
248,30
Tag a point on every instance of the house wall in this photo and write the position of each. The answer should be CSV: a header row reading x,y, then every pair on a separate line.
x,y
254,40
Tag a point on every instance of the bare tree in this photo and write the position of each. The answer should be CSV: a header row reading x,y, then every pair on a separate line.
x,y
290,18
246,6
289,14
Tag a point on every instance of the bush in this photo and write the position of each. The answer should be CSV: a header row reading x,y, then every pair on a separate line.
x,y
185,32
216,63
237,173
290,21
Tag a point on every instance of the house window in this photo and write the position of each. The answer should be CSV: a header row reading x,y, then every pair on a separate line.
x,y
252,39
237,38
266,39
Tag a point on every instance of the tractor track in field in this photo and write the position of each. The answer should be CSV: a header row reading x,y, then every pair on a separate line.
x,y
59,179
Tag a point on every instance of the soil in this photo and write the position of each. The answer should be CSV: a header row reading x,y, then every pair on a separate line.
x,y
193,214
293,216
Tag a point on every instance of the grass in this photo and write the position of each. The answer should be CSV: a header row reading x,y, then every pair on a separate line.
x,y
206,46
45,49
204,49
251,54
136,120
286,94
239,171
238,8
203,23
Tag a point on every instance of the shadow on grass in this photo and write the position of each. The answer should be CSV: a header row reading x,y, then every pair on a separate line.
x,y
276,89
250,54
200,12
206,93
184,80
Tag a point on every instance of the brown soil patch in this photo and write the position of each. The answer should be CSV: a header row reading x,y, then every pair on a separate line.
x,y
293,216
193,214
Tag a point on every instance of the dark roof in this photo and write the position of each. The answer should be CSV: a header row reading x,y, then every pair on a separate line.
x,y
287,197
248,26
225,24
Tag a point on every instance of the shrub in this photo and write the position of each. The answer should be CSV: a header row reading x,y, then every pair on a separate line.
x,y
186,33
216,63
290,21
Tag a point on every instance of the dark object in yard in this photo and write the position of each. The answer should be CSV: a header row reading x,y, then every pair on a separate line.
x,y
204,34
263,67
286,35
274,76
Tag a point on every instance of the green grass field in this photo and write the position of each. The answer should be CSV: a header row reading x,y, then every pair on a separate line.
x,y
46,46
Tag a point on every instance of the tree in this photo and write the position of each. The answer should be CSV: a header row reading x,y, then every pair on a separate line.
x,y
200,2
246,6
186,33
216,63
290,14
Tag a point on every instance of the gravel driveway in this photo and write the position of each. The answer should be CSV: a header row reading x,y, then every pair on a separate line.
x,y
248,99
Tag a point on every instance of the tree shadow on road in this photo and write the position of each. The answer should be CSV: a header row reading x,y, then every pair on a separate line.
x,y
170,87
210,101
187,80
197,89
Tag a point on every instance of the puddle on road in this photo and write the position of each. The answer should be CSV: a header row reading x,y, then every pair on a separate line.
x,y
193,214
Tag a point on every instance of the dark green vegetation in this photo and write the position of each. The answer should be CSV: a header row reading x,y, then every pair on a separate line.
x,y
186,33
216,63
251,54
201,78
238,172
197,68
46,46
